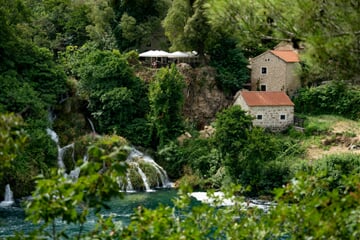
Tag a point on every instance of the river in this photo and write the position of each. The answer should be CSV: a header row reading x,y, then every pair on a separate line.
x,y
12,219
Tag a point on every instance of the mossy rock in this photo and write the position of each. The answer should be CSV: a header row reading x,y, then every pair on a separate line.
x,y
135,178
151,173
107,144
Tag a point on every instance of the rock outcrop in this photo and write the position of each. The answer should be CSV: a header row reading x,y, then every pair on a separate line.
x,y
203,99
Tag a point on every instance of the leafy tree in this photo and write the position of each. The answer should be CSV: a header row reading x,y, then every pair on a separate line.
x,y
258,165
335,98
31,84
139,21
231,65
166,102
186,26
100,30
232,127
115,94
58,23
12,139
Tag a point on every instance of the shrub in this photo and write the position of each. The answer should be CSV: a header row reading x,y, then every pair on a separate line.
x,y
334,98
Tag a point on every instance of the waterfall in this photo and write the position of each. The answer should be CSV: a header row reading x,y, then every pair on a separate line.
x,y
143,177
133,159
161,172
9,198
61,150
129,186
92,125
136,159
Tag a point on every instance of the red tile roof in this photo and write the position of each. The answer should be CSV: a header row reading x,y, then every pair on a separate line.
x,y
258,98
286,55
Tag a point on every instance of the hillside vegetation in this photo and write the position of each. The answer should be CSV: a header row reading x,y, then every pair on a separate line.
x,y
73,66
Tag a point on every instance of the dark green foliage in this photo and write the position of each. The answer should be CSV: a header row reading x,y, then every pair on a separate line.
x,y
117,99
232,127
251,156
12,139
138,22
187,27
334,98
231,65
31,81
332,168
59,23
261,163
195,153
138,132
166,101
171,159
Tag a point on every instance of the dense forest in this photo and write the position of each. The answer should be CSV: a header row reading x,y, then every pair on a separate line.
x,y
73,66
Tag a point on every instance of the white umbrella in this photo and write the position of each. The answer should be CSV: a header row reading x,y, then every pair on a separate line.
x,y
154,53
178,54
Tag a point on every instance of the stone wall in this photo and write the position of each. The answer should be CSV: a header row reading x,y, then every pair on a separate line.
x,y
280,76
274,79
271,117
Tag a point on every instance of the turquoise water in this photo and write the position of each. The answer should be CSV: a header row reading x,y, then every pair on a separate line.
x,y
12,219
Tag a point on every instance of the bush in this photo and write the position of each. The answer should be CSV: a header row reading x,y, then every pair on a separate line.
x,y
334,98
333,168
231,66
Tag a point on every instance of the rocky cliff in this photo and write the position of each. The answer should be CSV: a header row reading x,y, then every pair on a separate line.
x,y
203,99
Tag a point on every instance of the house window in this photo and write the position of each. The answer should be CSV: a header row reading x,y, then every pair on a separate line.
x,y
263,87
282,117
259,117
263,70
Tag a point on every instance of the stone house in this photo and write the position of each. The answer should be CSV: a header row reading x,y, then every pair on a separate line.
x,y
271,110
276,70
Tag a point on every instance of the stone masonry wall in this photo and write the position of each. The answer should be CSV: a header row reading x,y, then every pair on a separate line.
x,y
280,76
274,79
271,117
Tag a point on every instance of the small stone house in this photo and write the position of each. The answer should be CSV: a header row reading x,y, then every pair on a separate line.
x,y
271,110
276,70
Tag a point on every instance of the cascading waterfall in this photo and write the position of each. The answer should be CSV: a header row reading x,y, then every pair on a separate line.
x,y
133,160
9,198
92,125
61,150
143,177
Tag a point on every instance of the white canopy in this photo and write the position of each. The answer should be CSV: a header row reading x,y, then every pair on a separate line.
x,y
154,53
178,54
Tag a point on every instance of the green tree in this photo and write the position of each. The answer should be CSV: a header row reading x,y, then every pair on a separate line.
x,y
186,26
232,127
31,84
58,23
334,98
166,102
12,139
138,22
115,94
102,18
231,65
